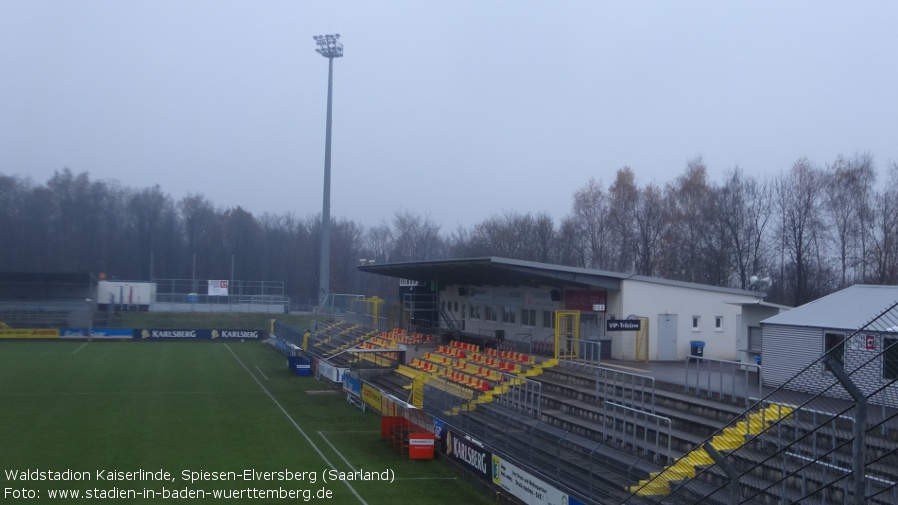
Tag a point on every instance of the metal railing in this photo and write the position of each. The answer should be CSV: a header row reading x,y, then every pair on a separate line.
x,y
633,422
521,395
723,379
626,388
585,356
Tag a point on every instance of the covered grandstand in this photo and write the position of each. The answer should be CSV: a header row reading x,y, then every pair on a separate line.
x,y
47,299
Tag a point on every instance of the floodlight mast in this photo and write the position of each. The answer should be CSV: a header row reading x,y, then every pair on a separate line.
x,y
330,47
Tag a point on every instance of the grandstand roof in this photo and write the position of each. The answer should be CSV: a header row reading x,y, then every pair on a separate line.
x,y
45,285
849,309
46,277
493,271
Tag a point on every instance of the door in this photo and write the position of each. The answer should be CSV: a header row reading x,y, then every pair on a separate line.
x,y
667,337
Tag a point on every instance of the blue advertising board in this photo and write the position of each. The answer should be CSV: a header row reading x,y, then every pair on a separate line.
x,y
98,333
194,334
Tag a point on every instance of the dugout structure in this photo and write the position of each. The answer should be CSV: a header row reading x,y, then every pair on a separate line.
x,y
47,299
408,428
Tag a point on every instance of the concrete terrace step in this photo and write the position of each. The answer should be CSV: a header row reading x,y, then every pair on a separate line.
x,y
711,413
605,475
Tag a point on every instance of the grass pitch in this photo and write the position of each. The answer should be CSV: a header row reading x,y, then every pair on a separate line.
x,y
73,414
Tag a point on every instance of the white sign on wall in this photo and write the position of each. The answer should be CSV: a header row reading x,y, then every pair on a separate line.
x,y
526,487
218,288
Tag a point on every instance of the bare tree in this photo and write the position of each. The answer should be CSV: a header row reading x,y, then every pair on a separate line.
x,y
151,219
743,207
848,187
799,195
379,241
516,235
650,218
622,221
691,242
415,238
587,228
882,233
205,237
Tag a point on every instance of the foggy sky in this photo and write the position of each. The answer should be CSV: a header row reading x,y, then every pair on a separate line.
x,y
455,110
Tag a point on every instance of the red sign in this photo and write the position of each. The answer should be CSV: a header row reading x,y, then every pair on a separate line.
x,y
585,300
420,445
870,342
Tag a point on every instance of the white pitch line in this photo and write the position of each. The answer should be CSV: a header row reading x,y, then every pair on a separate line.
x,y
295,424
321,433
261,372
80,347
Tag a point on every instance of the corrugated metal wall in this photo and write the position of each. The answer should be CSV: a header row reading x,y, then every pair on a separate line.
x,y
787,350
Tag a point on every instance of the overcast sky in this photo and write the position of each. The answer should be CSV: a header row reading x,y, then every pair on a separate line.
x,y
458,110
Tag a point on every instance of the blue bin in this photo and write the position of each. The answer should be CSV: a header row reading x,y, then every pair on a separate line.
x,y
697,348
299,365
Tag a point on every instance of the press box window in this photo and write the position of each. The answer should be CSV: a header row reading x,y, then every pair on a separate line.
x,y
833,345
489,313
508,315
890,357
528,317
548,319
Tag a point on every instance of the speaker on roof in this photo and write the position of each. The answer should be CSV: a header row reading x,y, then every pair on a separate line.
x,y
555,294
462,291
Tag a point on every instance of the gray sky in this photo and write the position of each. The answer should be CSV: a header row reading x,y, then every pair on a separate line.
x,y
456,110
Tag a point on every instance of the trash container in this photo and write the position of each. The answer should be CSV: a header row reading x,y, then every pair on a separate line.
x,y
697,348
758,370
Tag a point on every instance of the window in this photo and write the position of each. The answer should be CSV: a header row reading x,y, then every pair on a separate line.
x,y
475,312
456,307
696,323
832,344
490,314
462,311
509,314
754,338
528,317
890,357
548,319
718,323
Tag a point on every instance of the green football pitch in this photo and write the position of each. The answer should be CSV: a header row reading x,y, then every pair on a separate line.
x,y
193,423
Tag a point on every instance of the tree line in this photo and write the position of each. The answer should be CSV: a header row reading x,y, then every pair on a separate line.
x,y
812,229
